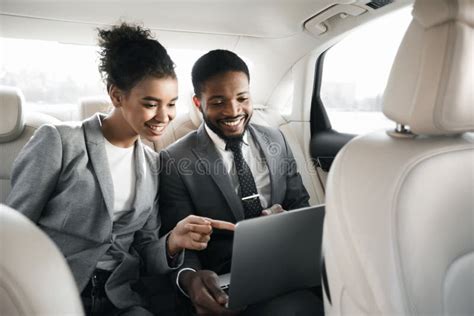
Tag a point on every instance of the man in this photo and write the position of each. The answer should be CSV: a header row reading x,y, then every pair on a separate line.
x,y
229,169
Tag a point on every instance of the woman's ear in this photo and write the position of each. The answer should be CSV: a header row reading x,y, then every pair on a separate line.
x,y
116,96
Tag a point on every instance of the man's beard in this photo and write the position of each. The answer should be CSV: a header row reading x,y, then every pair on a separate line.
x,y
219,133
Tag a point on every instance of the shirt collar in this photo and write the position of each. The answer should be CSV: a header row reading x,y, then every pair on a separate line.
x,y
218,141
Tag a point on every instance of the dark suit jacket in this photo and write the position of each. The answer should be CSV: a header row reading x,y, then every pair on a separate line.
x,y
193,180
61,181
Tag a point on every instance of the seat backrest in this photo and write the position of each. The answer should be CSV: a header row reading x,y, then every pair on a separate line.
x,y
90,106
16,128
34,276
398,237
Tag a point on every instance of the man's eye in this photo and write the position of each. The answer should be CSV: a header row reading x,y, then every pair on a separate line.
x,y
242,99
218,102
172,104
149,105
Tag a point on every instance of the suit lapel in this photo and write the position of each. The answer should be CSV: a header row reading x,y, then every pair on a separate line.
x,y
142,187
270,151
208,155
98,157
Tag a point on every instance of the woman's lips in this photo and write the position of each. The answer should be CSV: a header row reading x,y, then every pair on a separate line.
x,y
156,129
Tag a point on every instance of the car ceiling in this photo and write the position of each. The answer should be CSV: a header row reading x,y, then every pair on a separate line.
x,y
257,18
271,33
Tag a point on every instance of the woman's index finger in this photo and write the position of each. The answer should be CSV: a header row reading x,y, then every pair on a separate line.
x,y
222,225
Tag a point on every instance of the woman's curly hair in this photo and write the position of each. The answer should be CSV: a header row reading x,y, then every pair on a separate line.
x,y
129,54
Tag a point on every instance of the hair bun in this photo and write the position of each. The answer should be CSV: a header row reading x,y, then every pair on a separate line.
x,y
122,33
129,53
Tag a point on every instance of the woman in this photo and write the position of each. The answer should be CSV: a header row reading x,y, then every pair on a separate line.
x,y
92,186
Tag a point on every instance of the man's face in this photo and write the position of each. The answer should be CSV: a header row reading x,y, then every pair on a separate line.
x,y
225,104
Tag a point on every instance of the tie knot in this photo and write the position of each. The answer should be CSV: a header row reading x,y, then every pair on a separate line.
x,y
234,145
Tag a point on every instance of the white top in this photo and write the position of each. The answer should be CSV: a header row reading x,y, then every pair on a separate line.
x,y
253,157
122,168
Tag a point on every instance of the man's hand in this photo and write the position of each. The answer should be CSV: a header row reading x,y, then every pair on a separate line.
x,y
205,293
274,209
194,232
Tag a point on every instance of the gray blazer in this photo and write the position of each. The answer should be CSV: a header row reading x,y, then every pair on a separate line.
x,y
61,181
193,180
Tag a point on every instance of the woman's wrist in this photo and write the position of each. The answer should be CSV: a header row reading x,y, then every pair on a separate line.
x,y
171,247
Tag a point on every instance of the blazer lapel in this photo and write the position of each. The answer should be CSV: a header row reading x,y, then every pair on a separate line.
x,y
98,157
207,153
143,187
271,152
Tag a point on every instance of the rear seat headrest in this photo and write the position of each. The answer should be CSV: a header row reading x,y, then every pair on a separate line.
x,y
92,105
12,122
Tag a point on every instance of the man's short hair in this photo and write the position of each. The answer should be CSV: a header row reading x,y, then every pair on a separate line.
x,y
214,63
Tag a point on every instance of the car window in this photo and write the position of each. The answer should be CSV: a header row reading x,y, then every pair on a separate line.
x,y
55,76
355,73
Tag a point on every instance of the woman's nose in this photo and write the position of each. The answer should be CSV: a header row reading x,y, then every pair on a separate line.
x,y
162,115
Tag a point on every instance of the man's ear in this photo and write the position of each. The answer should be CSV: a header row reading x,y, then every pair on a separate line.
x,y
197,102
116,96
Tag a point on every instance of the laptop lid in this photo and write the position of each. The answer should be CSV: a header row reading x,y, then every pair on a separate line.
x,y
275,254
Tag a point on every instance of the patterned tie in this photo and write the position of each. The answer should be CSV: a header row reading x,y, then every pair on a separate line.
x,y
248,189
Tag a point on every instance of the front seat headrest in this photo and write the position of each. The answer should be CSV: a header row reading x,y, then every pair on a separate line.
x,y
430,85
35,278
12,122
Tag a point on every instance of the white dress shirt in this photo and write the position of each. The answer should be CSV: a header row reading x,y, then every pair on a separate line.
x,y
253,158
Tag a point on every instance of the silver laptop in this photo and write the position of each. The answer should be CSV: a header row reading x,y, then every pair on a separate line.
x,y
273,255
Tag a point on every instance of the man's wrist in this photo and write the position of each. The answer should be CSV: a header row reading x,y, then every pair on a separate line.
x,y
178,277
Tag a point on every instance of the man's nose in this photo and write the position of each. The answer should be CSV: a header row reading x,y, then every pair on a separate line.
x,y
233,108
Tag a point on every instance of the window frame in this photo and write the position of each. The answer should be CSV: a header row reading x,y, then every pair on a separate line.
x,y
325,141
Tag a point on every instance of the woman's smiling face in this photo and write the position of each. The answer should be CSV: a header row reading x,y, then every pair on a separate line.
x,y
149,106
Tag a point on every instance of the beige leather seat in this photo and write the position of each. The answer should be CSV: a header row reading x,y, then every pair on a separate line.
x,y
34,276
16,128
399,231
91,105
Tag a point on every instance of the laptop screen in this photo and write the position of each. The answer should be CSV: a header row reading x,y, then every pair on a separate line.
x,y
275,254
